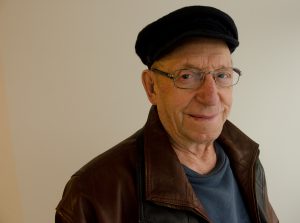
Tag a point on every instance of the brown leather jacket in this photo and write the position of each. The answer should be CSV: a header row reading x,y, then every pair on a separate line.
x,y
141,180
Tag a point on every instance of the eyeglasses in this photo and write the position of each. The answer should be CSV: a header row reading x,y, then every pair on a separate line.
x,y
193,78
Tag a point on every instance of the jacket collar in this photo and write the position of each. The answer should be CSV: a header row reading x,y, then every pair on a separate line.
x,y
243,154
165,179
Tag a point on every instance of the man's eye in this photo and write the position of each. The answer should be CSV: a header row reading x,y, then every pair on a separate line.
x,y
186,76
223,75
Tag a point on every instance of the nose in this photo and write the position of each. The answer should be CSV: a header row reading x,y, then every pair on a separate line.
x,y
207,93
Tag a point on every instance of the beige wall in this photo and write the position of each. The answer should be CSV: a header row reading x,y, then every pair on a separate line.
x,y
72,90
10,202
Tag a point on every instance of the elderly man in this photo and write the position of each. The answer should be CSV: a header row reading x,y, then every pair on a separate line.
x,y
188,163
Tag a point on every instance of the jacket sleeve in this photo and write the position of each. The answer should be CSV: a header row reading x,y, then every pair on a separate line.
x,y
75,205
267,214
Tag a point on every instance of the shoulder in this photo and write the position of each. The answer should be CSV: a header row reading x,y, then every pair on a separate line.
x,y
260,175
122,157
233,133
109,177
109,170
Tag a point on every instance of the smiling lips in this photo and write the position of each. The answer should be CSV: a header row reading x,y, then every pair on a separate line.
x,y
203,117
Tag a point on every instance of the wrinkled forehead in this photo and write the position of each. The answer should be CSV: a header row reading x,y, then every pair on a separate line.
x,y
197,53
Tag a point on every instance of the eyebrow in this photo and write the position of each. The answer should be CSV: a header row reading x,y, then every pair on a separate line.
x,y
192,66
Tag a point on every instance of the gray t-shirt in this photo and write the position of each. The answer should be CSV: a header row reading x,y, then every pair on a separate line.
x,y
219,192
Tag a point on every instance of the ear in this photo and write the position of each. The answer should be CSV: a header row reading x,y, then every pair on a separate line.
x,y
149,83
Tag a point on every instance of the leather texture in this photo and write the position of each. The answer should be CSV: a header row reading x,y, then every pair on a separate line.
x,y
141,180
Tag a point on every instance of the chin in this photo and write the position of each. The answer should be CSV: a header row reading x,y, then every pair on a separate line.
x,y
204,137
210,133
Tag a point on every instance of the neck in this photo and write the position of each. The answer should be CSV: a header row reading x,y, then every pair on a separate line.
x,y
201,158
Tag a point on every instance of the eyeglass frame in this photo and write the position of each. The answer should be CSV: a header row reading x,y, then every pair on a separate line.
x,y
204,73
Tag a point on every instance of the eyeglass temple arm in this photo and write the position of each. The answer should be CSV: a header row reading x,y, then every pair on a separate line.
x,y
238,71
162,73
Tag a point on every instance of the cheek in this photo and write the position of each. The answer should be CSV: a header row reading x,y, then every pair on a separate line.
x,y
171,104
229,101
166,93
175,100
226,98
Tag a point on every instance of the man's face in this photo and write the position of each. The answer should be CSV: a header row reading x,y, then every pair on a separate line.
x,y
191,116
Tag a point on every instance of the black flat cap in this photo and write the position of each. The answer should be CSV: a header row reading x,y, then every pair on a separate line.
x,y
164,34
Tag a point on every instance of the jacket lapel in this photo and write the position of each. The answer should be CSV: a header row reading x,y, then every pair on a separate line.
x,y
243,155
165,180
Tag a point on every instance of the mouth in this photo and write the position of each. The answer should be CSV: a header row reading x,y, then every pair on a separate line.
x,y
203,117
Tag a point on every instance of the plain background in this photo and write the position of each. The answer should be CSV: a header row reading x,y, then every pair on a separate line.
x,y
70,89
